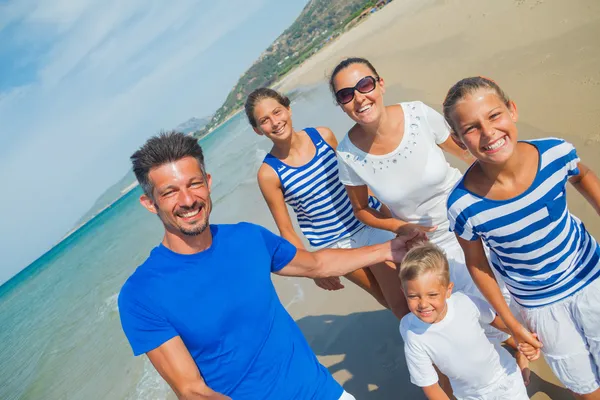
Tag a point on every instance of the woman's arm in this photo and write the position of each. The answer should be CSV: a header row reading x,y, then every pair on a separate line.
x,y
484,278
435,392
451,147
588,184
359,197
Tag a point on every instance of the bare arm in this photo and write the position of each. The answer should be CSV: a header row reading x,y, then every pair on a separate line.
x,y
174,363
270,187
359,197
338,262
484,278
450,146
588,184
435,392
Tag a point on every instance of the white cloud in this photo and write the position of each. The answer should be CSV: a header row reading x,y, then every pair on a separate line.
x,y
101,76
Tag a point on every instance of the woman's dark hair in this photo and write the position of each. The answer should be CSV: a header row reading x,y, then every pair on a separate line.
x,y
345,64
468,86
259,94
166,147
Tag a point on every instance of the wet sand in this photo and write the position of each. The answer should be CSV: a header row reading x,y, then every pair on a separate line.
x,y
544,54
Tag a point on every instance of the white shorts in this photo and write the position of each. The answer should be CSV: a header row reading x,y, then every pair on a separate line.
x,y
570,332
510,387
346,396
365,236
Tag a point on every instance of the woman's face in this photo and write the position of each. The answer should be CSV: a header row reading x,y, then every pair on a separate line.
x,y
364,108
273,119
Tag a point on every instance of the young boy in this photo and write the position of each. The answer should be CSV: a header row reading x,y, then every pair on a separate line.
x,y
444,329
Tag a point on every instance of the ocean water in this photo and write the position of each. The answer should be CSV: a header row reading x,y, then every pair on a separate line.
x,y
60,335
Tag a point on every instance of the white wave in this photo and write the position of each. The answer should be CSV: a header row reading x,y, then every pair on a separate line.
x,y
109,306
151,386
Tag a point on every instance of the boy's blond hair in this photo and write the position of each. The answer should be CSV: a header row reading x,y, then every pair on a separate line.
x,y
424,258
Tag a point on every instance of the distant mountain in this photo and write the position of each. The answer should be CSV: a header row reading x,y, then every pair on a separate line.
x,y
193,124
113,193
318,23
128,182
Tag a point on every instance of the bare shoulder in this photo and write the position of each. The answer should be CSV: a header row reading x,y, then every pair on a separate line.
x,y
267,176
328,135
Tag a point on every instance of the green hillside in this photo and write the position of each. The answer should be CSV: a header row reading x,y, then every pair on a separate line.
x,y
319,22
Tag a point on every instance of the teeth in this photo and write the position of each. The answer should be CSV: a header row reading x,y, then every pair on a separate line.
x,y
495,145
365,108
190,214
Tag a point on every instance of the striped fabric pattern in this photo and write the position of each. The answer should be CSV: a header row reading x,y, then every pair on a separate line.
x,y
542,251
317,196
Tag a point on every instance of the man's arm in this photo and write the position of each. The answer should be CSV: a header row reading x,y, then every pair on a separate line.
x,y
338,262
174,363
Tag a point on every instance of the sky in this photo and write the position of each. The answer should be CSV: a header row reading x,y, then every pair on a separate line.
x,y
83,83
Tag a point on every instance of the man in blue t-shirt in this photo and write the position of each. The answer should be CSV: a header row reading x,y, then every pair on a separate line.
x,y
203,307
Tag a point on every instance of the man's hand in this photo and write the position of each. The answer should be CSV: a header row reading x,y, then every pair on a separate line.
x,y
332,283
404,241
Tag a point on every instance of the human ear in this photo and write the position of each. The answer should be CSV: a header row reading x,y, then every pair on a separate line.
x,y
449,290
457,140
148,203
512,109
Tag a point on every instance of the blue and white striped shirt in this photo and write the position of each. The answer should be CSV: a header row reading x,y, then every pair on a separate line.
x,y
542,251
319,199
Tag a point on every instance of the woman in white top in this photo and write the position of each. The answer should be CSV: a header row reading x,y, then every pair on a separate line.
x,y
398,152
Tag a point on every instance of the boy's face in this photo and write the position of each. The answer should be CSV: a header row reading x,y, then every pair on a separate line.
x,y
426,297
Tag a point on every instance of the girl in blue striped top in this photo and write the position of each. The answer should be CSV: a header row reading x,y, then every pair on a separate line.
x,y
301,170
513,199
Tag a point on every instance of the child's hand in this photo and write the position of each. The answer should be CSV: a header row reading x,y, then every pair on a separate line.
x,y
525,338
529,351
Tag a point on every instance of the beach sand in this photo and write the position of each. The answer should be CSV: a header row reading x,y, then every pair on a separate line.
x,y
544,54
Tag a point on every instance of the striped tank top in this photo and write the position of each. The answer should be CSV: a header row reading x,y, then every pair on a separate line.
x,y
319,199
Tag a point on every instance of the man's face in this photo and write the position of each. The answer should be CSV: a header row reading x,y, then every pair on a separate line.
x,y
181,196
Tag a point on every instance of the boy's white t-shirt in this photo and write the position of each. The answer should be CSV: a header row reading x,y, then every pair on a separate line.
x,y
415,179
458,346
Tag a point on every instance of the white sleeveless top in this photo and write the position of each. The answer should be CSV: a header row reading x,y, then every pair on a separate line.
x,y
414,180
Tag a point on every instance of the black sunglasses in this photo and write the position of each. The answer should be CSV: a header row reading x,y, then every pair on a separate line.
x,y
365,85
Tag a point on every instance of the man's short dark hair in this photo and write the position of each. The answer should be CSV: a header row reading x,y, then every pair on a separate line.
x,y
166,147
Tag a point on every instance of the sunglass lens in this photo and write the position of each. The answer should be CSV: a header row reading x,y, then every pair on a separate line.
x,y
366,84
345,95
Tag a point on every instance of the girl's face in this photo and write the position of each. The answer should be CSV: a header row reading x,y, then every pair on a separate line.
x,y
273,119
364,108
486,126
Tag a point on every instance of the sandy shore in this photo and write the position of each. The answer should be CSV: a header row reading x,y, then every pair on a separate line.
x,y
544,53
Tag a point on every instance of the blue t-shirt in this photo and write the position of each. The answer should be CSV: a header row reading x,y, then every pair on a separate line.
x,y
223,305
